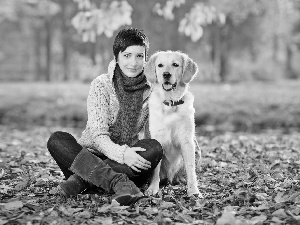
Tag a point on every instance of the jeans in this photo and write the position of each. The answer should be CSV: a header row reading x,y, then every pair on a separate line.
x,y
63,147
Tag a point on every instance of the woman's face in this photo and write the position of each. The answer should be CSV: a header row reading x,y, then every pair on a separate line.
x,y
132,60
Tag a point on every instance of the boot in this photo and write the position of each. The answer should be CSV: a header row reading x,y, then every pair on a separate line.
x,y
74,185
126,192
93,170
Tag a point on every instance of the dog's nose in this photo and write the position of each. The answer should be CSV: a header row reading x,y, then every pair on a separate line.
x,y
166,75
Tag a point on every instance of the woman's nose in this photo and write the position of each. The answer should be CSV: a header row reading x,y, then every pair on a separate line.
x,y
134,61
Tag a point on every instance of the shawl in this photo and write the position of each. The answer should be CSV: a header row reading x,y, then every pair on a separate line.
x,y
129,91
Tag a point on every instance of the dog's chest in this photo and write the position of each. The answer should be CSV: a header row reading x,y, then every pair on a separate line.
x,y
164,122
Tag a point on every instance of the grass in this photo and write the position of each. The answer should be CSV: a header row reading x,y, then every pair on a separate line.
x,y
220,107
248,106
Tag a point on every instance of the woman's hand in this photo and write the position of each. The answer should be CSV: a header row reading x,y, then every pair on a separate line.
x,y
134,160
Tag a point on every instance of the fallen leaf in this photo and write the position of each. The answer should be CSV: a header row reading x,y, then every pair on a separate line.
x,y
223,164
261,196
54,214
261,207
276,220
3,221
4,188
16,170
165,205
150,210
184,218
294,216
228,217
104,208
104,220
22,184
69,211
280,197
279,213
2,172
258,219
85,214
115,207
41,181
12,205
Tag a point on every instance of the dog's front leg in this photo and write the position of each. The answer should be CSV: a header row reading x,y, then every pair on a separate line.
x,y
188,153
154,184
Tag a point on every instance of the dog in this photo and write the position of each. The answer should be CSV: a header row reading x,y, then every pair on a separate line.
x,y
171,118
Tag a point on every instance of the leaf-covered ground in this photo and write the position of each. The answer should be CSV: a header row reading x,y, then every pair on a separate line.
x,y
245,179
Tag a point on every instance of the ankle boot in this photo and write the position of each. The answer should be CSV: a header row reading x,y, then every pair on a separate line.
x,y
126,192
74,185
93,170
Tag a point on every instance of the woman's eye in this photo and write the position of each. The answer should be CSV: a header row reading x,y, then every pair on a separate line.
x,y
160,65
126,55
175,64
141,56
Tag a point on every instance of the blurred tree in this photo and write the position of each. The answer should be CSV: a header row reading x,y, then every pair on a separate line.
x,y
67,11
95,18
101,17
222,16
289,16
219,34
36,15
39,15
6,10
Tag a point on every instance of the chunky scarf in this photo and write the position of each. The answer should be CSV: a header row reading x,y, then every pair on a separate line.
x,y
129,92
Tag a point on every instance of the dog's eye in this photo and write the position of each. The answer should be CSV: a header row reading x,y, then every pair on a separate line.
x,y
160,65
175,64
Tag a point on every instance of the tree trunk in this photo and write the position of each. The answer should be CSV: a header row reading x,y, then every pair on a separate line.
x,y
106,53
65,42
289,70
224,64
215,42
48,47
93,51
224,53
275,47
37,53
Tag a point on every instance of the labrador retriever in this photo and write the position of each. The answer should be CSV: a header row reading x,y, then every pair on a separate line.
x,y
171,117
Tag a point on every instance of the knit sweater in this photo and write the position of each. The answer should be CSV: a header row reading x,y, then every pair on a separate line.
x,y
102,109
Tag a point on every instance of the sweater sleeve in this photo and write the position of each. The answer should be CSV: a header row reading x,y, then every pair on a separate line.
x,y
98,121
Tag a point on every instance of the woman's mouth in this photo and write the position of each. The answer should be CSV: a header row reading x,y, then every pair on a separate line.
x,y
132,70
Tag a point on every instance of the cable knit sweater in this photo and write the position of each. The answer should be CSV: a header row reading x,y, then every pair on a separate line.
x,y
102,109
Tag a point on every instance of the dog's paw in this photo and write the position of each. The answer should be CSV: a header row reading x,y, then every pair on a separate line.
x,y
194,192
152,189
179,178
196,196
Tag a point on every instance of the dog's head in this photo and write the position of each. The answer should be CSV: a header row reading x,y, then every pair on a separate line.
x,y
170,69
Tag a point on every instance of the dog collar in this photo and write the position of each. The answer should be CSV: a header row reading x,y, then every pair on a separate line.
x,y
173,103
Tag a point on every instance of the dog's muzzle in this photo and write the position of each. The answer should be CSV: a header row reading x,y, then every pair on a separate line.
x,y
167,86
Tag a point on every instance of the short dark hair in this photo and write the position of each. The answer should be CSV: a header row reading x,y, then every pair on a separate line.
x,y
130,36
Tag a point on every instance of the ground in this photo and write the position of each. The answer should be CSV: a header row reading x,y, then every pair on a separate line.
x,y
248,132
245,178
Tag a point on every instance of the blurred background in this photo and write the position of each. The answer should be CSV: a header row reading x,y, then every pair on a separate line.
x,y
248,53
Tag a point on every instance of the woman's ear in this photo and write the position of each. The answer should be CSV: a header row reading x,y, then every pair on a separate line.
x,y
190,69
149,69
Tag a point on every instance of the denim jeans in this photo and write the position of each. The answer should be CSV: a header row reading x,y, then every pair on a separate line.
x,y
63,147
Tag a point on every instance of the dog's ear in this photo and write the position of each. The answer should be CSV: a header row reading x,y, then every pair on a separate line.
x,y
190,69
149,69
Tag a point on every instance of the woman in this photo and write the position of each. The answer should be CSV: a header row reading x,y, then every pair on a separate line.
x,y
109,155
